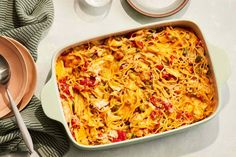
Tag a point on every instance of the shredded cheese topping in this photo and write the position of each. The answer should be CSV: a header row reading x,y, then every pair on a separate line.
x,y
134,85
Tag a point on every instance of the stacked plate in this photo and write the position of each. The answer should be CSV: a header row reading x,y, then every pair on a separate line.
x,y
23,75
156,8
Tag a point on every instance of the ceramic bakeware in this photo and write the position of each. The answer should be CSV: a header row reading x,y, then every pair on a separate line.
x,y
51,99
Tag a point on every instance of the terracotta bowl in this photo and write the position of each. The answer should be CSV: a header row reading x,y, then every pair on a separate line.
x,y
32,75
19,76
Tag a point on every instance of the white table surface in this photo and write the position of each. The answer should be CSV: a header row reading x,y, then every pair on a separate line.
x,y
216,18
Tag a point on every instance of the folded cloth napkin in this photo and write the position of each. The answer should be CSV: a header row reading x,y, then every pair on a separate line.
x,y
26,21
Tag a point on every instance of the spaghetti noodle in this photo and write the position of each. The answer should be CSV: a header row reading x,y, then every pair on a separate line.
x,y
134,85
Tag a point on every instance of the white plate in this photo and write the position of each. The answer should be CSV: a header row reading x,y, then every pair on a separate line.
x,y
157,8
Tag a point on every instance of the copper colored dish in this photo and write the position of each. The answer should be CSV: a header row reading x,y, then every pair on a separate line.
x,y
19,75
32,75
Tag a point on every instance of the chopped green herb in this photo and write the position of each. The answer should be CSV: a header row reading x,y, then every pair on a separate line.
x,y
185,51
133,135
198,59
115,108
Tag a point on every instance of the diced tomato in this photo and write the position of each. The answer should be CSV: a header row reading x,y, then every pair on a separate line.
x,y
71,97
133,43
153,100
63,81
66,90
139,44
166,75
188,115
74,123
170,105
121,136
62,96
167,106
179,115
73,134
200,97
99,134
83,68
159,66
153,115
172,59
76,88
83,82
90,82
157,125
116,140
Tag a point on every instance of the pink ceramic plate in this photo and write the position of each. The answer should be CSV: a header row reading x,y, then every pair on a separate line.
x,y
19,76
32,75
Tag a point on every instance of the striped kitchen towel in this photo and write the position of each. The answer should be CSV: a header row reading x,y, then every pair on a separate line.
x,y
26,21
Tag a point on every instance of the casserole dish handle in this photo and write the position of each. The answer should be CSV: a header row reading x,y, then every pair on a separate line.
x,y
221,64
50,102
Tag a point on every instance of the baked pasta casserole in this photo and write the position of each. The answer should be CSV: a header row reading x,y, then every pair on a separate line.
x,y
134,85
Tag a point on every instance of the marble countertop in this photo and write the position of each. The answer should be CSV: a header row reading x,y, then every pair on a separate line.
x,y
217,21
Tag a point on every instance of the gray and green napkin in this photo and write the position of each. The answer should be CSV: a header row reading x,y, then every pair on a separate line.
x,y
26,21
